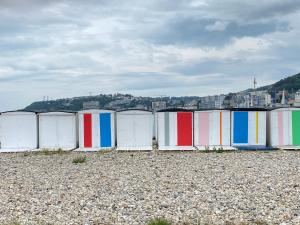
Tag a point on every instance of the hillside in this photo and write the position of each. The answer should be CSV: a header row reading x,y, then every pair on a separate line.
x,y
125,101
109,101
290,84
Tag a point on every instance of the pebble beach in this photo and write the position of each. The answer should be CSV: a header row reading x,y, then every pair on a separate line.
x,y
116,188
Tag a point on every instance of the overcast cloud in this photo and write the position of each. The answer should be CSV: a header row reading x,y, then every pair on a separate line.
x,y
150,48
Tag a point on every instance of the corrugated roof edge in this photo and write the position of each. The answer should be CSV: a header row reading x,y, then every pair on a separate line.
x,y
249,109
175,110
97,109
58,111
132,109
12,111
210,109
294,107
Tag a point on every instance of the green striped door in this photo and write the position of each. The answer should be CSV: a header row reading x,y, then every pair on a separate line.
x,y
296,127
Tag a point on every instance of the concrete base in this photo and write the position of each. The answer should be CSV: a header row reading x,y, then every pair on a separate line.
x,y
92,149
137,148
176,148
8,150
215,148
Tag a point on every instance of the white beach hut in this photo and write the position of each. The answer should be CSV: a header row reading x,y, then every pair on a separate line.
x,y
57,130
284,128
174,129
18,131
96,129
134,129
248,128
212,129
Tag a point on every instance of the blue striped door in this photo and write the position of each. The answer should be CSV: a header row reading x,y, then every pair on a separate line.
x,y
240,128
105,130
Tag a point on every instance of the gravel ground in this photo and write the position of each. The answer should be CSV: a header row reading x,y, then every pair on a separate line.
x,y
131,188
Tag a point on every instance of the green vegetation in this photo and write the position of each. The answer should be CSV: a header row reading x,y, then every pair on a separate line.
x,y
220,150
289,84
159,221
163,221
18,223
46,151
112,101
124,101
79,159
51,152
206,149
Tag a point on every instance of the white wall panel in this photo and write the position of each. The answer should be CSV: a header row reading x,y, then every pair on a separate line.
x,y
134,130
57,130
18,131
214,128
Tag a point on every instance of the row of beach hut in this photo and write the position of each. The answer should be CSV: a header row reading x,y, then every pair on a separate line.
x,y
176,129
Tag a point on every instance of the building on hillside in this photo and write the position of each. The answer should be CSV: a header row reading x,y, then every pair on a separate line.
x,y
297,99
159,105
91,105
141,106
212,102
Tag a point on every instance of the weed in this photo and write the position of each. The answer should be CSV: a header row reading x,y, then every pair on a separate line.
x,y
220,150
159,221
79,159
46,151
206,148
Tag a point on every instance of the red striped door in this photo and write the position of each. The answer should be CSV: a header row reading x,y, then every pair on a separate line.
x,y
87,120
184,129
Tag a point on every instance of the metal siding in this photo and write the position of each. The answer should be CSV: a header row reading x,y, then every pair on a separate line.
x,y
105,129
252,128
225,128
203,128
283,132
217,128
295,127
134,130
262,128
57,131
125,133
275,125
240,127
167,129
143,125
280,133
87,117
214,128
160,126
280,127
18,132
196,129
80,130
173,128
184,129
288,128
48,137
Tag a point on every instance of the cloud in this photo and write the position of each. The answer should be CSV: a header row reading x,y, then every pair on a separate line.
x,y
217,26
194,47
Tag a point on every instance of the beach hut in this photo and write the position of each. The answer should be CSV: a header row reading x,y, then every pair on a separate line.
x,y
212,129
248,128
284,128
174,129
57,130
96,129
18,131
134,129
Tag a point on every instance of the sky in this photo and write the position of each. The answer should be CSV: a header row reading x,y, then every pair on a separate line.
x,y
61,48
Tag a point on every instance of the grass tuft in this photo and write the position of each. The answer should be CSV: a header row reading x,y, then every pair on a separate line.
x,y
79,159
159,221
